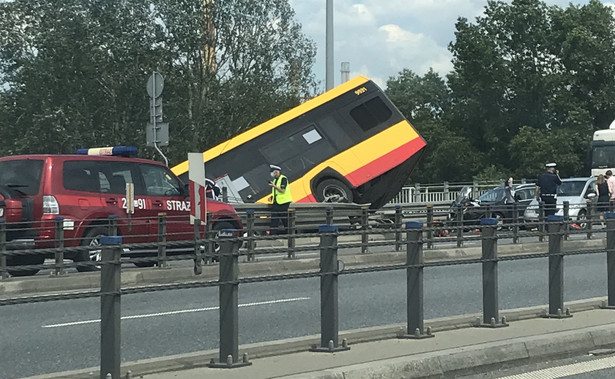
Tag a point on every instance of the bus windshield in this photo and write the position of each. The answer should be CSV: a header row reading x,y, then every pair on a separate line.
x,y
350,144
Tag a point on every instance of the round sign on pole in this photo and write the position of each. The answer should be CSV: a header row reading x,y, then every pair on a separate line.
x,y
155,84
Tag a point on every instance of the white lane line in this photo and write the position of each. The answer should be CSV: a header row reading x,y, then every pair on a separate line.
x,y
562,371
170,313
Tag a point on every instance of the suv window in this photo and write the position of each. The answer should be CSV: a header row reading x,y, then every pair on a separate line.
x,y
98,176
159,181
22,175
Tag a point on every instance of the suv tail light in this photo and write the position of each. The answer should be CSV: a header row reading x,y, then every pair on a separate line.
x,y
50,205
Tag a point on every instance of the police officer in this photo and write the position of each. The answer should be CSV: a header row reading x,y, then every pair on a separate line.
x,y
546,188
280,199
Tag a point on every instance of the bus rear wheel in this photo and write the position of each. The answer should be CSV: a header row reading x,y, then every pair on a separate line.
x,y
333,191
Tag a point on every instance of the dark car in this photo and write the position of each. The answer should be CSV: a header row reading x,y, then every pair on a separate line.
x,y
496,203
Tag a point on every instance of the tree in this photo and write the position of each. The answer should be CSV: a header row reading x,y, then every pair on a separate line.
x,y
73,73
527,64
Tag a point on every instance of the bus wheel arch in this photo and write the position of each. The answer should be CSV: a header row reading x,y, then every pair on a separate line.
x,y
333,190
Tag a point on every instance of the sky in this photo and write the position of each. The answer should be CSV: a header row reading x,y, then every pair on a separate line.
x,y
380,38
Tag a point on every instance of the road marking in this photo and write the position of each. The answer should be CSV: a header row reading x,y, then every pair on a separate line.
x,y
568,370
171,313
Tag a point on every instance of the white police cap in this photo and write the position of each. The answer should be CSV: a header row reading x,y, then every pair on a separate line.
x,y
274,167
550,165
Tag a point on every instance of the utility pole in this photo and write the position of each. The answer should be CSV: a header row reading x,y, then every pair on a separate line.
x,y
329,45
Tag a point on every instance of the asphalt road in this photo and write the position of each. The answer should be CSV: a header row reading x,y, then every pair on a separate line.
x,y
64,335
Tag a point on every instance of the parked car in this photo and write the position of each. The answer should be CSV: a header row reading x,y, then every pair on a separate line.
x,y
85,190
497,203
576,191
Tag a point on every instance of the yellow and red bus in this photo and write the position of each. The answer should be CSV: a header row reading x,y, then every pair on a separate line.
x,y
350,144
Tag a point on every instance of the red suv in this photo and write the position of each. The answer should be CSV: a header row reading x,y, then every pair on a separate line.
x,y
85,190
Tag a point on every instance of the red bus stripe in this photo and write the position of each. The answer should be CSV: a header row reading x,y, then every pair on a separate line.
x,y
385,162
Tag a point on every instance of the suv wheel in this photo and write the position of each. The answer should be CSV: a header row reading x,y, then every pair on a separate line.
x,y
91,239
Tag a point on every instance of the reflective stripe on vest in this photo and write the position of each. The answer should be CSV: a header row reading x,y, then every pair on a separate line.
x,y
279,197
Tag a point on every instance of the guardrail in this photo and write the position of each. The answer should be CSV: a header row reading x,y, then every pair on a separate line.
x,y
412,236
442,193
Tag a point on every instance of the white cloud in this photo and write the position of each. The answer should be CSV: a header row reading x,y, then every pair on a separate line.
x,y
381,38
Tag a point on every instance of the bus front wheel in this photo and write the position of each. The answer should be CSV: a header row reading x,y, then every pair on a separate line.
x,y
333,191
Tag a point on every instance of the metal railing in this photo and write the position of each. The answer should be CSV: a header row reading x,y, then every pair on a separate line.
x,y
227,247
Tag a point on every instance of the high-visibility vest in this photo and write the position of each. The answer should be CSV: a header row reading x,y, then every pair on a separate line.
x,y
279,197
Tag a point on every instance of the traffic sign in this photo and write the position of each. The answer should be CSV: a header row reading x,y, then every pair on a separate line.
x,y
155,85
158,137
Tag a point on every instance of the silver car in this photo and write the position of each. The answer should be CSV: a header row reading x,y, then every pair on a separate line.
x,y
576,191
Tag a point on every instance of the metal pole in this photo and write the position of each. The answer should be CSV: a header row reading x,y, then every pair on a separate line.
x,y
198,256
329,215
397,228
610,260
329,45
250,230
162,240
590,216
364,234
4,272
291,233
566,219
329,323
541,221
555,226
490,274
430,226
59,244
229,302
459,225
414,282
110,306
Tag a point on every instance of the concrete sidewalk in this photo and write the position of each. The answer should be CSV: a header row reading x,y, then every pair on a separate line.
x,y
457,348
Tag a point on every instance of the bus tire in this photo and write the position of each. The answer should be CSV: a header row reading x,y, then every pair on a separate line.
x,y
333,191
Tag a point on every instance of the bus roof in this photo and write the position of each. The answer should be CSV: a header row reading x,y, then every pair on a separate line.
x,y
266,126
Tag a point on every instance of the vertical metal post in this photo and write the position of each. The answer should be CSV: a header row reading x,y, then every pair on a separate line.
x,y
291,233
59,245
210,246
4,272
414,282
610,260
250,230
364,226
162,240
475,191
566,219
491,318
329,322
224,194
590,216
555,226
516,221
198,253
112,225
417,192
541,221
110,306
397,228
329,215
329,45
459,225
229,302
430,226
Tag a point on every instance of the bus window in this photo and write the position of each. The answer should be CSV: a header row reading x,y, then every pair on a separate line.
x,y
371,113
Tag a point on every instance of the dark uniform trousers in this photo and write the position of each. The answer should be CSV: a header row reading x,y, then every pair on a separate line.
x,y
550,200
279,215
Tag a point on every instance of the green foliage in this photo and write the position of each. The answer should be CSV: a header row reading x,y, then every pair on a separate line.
x,y
73,73
530,84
